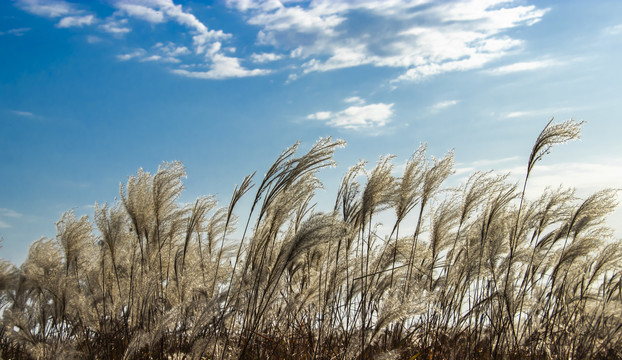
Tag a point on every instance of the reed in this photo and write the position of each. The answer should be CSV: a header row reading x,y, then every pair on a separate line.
x,y
486,273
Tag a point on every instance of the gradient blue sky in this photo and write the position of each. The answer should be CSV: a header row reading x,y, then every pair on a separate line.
x,y
92,91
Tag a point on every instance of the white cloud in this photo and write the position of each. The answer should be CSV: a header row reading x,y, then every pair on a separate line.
x,y
171,49
328,35
343,57
168,59
419,38
116,26
523,66
320,115
165,53
76,21
444,104
222,67
22,113
546,112
158,11
354,100
16,32
244,5
357,117
519,114
132,55
613,30
47,8
265,57
297,19
152,58
70,14
142,12
475,61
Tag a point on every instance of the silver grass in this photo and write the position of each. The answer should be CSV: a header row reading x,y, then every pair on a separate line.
x,y
409,184
593,210
432,180
348,196
484,271
195,221
74,236
551,135
379,188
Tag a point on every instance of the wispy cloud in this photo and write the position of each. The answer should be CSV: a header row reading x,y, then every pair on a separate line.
x,y
444,104
47,8
6,214
118,27
523,66
160,58
15,32
265,57
159,11
76,21
519,114
326,36
171,49
357,117
23,113
205,42
141,12
613,30
546,112
418,38
131,55
71,15
354,100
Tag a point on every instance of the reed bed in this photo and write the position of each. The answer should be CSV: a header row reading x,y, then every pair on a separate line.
x,y
486,273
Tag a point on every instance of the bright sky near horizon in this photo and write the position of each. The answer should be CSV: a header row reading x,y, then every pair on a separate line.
x,y
92,91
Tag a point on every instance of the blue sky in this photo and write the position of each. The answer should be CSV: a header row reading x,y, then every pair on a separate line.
x,y
92,91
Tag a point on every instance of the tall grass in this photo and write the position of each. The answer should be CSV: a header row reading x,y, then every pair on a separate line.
x,y
483,272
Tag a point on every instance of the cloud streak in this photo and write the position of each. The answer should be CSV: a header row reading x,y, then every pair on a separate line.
x,y
23,113
444,104
16,32
7,213
523,66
